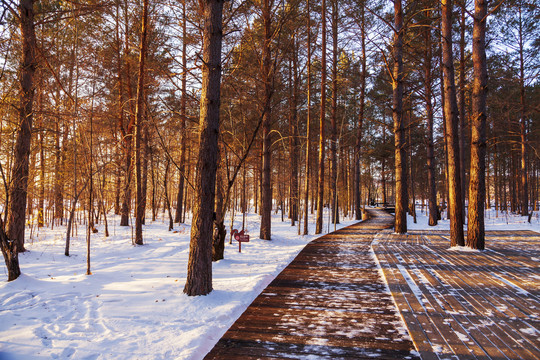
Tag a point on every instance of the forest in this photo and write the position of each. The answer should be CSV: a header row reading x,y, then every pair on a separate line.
x,y
199,109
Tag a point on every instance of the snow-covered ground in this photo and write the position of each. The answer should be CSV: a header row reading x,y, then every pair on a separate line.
x,y
493,221
132,306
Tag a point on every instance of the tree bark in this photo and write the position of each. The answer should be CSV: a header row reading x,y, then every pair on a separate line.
x,y
19,176
41,139
432,188
60,168
358,148
523,122
183,114
9,251
167,202
218,242
400,225
333,119
477,186
127,133
293,137
308,119
462,122
455,204
322,118
267,73
139,110
90,225
199,273
145,155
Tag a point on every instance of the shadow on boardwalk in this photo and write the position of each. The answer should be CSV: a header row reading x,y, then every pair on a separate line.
x,y
329,303
332,303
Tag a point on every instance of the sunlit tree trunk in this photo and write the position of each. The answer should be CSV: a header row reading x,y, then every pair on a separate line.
x,y
266,189
41,204
127,134
432,189
139,111
90,227
358,147
308,119
523,122
199,273
183,136
218,242
167,202
477,186
19,176
462,122
455,204
333,119
293,136
400,225
322,118
145,155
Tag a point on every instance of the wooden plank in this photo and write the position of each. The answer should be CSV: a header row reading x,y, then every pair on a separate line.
x,y
490,342
322,304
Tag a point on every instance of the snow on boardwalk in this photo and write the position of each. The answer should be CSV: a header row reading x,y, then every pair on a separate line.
x,y
466,304
331,302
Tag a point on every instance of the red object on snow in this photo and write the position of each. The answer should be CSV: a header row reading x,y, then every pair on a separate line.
x,y
241,237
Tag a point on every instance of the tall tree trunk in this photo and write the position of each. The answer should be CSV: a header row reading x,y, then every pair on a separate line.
x,y
293,137
322,118
9,251
126,191
333,119
523,122
183,114
199,274
462,122
400,225
60,165
383,166
41,205
308,119
266,190
358,148
117,191
477,186
455,205
443,101
218,242
154,186
145,156
127,134
139,129
90,225
117,206
498,182
19,176
412,195
432,188
167,202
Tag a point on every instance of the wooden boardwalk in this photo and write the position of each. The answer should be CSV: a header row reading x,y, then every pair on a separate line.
x,y
463,304
329,303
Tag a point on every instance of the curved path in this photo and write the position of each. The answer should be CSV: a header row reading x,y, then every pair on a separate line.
x,y
329,303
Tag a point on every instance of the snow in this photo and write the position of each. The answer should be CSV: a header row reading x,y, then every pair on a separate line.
x,y
493,221
132,306
530,331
